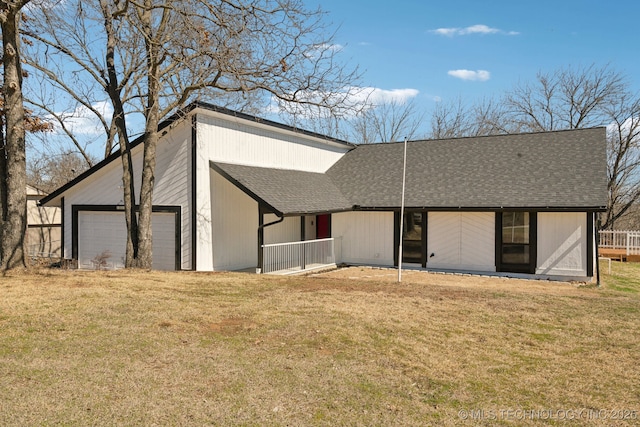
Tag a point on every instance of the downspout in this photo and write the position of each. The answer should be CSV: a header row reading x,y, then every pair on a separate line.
x,y
596,240
302,239
261,228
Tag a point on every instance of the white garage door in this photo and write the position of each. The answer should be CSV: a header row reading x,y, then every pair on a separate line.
x,y
461,241
103,235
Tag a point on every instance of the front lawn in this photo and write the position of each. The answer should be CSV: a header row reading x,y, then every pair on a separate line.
x,y
140,348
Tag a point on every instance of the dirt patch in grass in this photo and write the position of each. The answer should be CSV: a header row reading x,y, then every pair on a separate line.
x,y
145,348
232,326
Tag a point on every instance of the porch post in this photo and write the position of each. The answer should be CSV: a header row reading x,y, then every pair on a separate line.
x,y
261,227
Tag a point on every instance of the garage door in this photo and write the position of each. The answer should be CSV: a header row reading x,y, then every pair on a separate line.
x,y
103,235
461,241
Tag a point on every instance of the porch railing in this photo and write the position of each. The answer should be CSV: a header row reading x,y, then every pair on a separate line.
x,y
293,257
620,239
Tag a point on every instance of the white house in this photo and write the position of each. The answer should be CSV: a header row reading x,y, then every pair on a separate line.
x,y
227,184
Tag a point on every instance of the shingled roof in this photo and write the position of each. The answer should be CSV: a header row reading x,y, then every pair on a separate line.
x,y
286,192
538,171
555,170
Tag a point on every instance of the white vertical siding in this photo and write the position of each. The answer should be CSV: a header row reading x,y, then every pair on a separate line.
x,y
365,237
478,231
310,227
443,240
562,243
173,181
461,241
67,232
205,200
103,187
233,140
172,185
234,228
282,232
236,141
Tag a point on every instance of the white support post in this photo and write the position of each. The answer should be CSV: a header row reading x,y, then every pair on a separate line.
x,y
628,242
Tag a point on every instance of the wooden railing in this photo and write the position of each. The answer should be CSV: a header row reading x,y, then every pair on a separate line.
x,y
620,239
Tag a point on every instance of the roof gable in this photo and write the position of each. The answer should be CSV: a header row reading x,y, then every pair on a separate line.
x,y
181,115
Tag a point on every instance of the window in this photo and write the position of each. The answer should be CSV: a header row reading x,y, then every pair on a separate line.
x,y
412,238
517,242
515,237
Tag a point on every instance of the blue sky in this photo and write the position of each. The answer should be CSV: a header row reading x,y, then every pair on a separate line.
x,y
446,50
424,45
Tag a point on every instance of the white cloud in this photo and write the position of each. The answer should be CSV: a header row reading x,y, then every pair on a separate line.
x,y
334,47
83,121
630,128
479,29
479,75
361,97
352,99
321,49
324,47
376,96
473,29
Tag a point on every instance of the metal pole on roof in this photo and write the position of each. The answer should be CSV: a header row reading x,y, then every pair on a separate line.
x,y
404,177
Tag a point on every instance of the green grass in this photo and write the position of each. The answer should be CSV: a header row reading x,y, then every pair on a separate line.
x,y
132,348
624,277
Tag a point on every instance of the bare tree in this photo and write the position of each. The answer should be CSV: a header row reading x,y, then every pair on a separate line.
x,y
68,57
48,172
572,98
623,149
450,120
455,119
388,121
568,98
92,36
188,49
488,118
13,198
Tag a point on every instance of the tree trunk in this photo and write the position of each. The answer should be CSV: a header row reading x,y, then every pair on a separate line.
x,y
3,183
118,120
145,236
14,208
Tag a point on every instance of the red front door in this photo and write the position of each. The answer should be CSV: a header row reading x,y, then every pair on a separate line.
x,y
323,226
